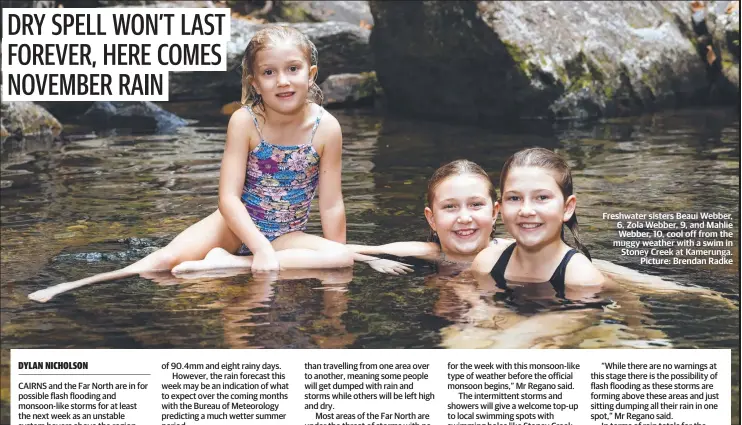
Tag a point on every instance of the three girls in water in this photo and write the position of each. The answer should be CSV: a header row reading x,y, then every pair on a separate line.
x,y
282,146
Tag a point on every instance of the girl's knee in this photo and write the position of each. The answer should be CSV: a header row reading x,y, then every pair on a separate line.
x,y
218,252
164,260
161,259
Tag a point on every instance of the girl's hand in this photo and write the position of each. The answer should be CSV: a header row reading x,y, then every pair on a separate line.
x,y
390,266
264,261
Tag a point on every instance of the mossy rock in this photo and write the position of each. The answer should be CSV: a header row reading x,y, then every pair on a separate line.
x,y
487,62
28,119
351,89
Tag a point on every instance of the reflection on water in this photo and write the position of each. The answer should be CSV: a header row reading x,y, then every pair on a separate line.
x,y
87,194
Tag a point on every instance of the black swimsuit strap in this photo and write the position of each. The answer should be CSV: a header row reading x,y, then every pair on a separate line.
x,y
498,271
557,279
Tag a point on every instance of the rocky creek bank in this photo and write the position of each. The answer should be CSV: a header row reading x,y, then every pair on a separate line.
x,y
475,61
478,61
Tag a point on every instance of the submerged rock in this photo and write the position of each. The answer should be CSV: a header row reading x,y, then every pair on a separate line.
x,y
481,60
142,242
132,250
130,255
342,48
140,117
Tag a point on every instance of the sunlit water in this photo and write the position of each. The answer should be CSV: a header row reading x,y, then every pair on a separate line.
x,y
90,192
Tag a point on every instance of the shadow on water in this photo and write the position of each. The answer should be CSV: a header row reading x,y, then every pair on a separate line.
x,y
67,209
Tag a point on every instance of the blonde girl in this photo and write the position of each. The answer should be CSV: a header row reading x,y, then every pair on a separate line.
x,y
281,147
461,214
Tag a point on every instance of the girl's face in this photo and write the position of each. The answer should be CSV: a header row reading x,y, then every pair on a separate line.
x,y
533,207
283,76
462,213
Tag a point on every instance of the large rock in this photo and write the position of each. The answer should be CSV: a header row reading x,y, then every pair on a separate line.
x,y
723,26
153,3
352,12
21,119
29,3
342,48
481,60
139,117
351,89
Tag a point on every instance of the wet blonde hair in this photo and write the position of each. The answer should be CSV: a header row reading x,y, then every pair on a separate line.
x,y
457,168
270,36
558,168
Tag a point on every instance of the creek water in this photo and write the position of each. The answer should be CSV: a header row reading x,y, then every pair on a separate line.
x,y
68,208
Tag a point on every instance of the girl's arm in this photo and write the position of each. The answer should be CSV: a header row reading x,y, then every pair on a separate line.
x,y
642,283
425,250
231,181
331,206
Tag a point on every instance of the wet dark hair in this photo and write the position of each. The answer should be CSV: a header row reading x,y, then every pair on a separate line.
x,y
263,39
550,161
456,168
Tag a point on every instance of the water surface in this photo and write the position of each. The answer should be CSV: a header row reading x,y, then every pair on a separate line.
x,y
89,193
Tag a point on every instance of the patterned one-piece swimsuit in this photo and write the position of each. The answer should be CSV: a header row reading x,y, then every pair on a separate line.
x,y
280,183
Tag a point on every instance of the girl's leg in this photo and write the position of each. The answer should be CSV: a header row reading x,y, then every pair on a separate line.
x,y
299,250
192,244
295,250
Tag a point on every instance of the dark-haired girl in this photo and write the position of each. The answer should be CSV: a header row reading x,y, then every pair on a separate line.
x,y
537,202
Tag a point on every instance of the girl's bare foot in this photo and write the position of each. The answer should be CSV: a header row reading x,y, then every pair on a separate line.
x,y
217,258
44,295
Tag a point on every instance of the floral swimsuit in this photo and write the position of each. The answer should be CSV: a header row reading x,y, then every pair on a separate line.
x,y
280,183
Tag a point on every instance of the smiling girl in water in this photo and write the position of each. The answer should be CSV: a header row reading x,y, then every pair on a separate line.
x,y
461,214
538,201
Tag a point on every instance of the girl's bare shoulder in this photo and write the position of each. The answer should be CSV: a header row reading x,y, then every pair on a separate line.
x,y
241,127
582,272
328,133
241,117
486,259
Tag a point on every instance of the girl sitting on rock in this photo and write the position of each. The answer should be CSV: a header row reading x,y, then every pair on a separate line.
x,y
281,147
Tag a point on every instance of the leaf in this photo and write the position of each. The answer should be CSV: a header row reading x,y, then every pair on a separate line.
x,y
230,108
248,18
710,55
732,6
695,6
